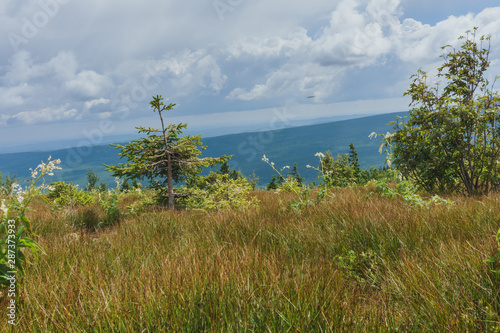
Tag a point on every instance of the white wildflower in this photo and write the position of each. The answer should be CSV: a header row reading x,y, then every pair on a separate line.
x,y
118,182
46,168
272,163
72,237
286,167
373,135
20,198
16,188
265,159
320,155
308,166
3,208
34,173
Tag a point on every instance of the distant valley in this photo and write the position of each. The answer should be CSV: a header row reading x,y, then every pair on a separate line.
x,y
283,147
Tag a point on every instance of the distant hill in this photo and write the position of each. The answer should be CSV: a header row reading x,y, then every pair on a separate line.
x,y
283,147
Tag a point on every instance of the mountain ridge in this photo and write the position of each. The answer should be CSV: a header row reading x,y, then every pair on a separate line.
x,y
282,146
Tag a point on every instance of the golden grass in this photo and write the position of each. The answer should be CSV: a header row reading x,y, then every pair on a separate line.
x,y
351,263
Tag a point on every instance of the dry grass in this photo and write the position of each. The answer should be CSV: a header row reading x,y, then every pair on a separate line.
x,y
351,263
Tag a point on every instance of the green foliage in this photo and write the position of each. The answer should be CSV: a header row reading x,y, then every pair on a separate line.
x,y
6,186
217,191
163,159
291,184
109,203
15,226
408,191
125,186
354,162
363,266
338,172
144,201
68,195
451,140
92,179
374,174
274,183
494,260
295,174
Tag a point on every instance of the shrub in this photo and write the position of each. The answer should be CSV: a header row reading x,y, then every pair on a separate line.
x,y
216,191
68,195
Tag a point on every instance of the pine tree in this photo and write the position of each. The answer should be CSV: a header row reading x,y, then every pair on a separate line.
x,y
163,158
273,184
354,162
92,179
296,175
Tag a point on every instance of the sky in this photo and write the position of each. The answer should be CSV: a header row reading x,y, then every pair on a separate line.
x,y
87,70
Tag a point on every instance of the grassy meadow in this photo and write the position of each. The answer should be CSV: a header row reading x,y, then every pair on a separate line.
x,y
352,263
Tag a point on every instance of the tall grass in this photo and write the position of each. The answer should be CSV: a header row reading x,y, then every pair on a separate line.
x,y
349,263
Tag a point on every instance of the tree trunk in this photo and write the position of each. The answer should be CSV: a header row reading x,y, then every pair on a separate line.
x,y
170,183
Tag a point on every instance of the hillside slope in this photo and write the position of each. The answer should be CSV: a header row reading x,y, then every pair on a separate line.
x,y
284,147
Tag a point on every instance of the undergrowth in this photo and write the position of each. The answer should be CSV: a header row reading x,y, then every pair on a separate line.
x,y
347,263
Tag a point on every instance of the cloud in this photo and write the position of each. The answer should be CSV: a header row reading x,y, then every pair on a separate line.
x,y
188,71
45,115
108,58
14,96
359,34
88,83
90,104
23,69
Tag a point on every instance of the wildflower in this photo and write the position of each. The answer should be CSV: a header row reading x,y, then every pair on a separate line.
x,y
320,155
272,163
265,159
308,166
34,173
286,167
373,135
16,188
118,182
20,198
4,208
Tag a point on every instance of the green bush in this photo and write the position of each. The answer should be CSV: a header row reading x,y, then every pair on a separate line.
x,y
216,191
68,195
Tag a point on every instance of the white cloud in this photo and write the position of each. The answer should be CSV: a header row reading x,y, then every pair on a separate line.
x,y
191,70
45,115
14,96
88,83
105,115
108,58
359,34
90,104
270,46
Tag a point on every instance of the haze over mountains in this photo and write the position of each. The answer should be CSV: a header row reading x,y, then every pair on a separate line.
x,y
282,146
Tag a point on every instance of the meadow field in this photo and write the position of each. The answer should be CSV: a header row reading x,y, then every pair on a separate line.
x,y
352,263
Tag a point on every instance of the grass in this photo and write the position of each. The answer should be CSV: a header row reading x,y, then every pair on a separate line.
x,y
351,263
